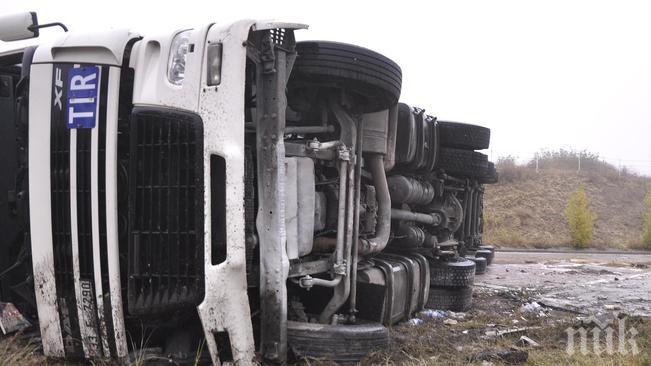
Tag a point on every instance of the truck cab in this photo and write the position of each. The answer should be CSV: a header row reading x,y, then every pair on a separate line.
x,y
223,192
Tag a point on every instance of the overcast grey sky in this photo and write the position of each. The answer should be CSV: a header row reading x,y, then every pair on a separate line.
x,y
540,74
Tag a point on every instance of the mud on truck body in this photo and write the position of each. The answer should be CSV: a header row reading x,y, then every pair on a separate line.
x,y
229,185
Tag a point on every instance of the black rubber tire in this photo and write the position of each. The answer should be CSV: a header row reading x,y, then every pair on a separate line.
x,y
464,135
463,163
485,253
368,74
480,264
340,343
455,272
487,247
447,298
489,176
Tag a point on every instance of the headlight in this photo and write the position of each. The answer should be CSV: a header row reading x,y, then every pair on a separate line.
x,y
178,54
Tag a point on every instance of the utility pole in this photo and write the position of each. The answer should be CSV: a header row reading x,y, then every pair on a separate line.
x,y
579,163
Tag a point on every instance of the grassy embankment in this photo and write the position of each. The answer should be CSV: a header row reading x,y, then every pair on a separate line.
x,y
527,208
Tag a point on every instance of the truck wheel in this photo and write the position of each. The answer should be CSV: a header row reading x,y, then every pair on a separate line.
x,y
487,247
446,298
480,264
453,273
463,163
339,343
373,78
464,135
485,253
490,174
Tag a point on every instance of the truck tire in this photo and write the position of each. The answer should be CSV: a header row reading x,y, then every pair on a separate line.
x,y
490,174
372,77
485,253
447,298
487,247
457,272
480,264
464,163
464,135
339,343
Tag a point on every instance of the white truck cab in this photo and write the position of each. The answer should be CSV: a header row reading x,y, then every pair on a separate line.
x,y
225,185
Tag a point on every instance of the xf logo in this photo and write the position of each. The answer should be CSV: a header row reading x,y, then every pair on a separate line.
x,y
58,88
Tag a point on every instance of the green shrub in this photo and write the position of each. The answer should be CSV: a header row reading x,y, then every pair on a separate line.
x,y
580,218
646,236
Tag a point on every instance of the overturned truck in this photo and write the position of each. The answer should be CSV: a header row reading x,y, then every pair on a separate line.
x,y
228,186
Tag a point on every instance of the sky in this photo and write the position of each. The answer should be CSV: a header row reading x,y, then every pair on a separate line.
x,y
541,74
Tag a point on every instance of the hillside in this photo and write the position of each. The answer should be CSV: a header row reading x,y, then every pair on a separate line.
x,y
527,209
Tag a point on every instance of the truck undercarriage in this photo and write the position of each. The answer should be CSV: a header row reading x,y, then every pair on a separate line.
x,y
232,187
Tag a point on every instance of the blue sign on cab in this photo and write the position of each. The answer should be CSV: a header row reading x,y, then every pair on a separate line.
x,y
82,97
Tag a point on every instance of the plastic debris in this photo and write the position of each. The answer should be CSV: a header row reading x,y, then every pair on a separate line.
x,y
431,314
494,333
525,341
415,322
611,307
11,320
450,322
532,307
454,315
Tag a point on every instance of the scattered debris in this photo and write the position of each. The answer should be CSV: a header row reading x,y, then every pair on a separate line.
x,y
532,307
450,322
525,341
458,316
431,314
558,305
415,322
496,333
612,307
11,320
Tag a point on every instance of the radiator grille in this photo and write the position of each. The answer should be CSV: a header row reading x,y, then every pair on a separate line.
x,y
166,219
84,217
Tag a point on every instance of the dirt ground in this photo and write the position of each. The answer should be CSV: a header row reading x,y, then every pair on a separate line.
x,y
537,295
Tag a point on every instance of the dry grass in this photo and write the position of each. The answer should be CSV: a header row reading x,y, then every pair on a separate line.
x,y
18,350
529,212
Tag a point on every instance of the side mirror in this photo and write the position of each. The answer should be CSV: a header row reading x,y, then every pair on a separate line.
x,y
16,27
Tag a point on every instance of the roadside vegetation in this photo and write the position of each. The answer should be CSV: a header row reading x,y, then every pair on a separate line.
x,y
646,236
527,207
580,219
